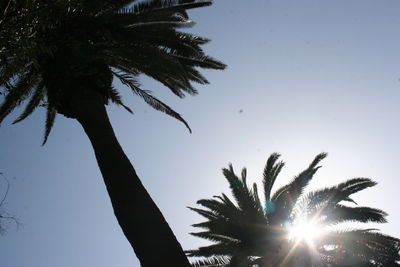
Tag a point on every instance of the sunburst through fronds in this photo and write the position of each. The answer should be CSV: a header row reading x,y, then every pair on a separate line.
x,y
293,227
304,230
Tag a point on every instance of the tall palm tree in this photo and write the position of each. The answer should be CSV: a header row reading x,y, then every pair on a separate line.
x,y
64,55
291,227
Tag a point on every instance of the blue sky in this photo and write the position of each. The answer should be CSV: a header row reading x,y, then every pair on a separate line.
x,y
309,76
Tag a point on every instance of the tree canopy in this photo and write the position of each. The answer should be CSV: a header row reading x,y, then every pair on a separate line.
x,y
291,227
51,49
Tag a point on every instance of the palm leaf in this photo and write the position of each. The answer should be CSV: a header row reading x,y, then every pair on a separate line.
x,y
20,91
340,214
270,174
115,97
243,196
149,99
218,249
33,102
205,213
338,193
290,193
216,261
166,5
50,118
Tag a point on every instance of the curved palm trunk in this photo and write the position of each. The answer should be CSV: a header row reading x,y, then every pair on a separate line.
x,y
140,219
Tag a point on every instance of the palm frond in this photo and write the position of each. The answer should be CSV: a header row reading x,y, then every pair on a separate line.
x,y
225,199
243,196
202,61
162,35
355,185
216,261
338,193
10,68
168,71
364,246
33,103
149,99
290,193
50,118
218,249
241,260
165,6
339,214
148,11
218,207
257,201
209,235
271,171
115,97
205,213
20,91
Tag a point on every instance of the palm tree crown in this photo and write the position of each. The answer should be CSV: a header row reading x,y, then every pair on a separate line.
x,y
291,228
53,50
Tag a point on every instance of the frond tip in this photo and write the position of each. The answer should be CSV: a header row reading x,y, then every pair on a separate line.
x,y
50,118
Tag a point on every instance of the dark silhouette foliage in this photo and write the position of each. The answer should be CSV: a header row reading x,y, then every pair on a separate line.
x,y
51,49
250,232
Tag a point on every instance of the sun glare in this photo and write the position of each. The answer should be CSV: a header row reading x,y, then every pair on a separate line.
x,y
304,230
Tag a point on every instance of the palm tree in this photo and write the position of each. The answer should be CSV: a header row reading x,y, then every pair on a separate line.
x,y
291,228
64,55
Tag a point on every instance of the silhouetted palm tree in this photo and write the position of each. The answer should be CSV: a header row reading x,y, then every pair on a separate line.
x,y
291,228
64,54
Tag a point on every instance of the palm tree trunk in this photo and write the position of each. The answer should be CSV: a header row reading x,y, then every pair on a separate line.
x,y
140,219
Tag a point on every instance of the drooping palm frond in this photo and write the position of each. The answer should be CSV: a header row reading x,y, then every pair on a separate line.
x,y
116,98
18,92
149,99
174,70
50,118
34,102
262,240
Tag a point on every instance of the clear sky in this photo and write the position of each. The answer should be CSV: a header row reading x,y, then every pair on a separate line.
x,y
303,77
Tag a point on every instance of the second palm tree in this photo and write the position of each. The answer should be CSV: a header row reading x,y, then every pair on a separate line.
x,y
291,228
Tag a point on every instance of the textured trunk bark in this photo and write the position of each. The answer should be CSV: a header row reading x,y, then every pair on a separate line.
x,y
140,219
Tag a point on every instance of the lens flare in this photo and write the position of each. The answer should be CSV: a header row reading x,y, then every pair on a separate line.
x,y
304,230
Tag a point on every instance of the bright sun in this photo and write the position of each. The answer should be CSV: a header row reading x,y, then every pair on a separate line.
x,y
304,230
